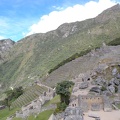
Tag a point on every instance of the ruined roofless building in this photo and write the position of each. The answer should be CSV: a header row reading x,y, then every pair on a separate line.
x,y
94,103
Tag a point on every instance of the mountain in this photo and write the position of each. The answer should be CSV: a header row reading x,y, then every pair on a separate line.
x,y
32,57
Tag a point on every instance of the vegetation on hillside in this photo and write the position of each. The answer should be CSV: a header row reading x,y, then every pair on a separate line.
x,y
42,116
12,95
114,42
73,57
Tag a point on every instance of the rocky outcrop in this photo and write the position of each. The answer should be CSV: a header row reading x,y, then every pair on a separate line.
x,y
95,89
5,46
73,113
83,85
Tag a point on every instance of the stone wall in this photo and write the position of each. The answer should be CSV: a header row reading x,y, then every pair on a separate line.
x,y
74,103
73,113
107,104
89,102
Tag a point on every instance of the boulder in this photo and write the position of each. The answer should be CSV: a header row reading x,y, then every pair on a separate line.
x,y
111,82
111,88
83,85
107,93
95,89
100,81
114,71
116,82
118,76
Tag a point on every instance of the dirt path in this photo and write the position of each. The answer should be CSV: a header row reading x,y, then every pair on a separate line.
x,y
114,115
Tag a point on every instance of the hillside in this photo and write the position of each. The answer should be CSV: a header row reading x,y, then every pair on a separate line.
x,y
32,57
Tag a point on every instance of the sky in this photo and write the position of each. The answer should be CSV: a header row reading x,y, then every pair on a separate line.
x,y
20,18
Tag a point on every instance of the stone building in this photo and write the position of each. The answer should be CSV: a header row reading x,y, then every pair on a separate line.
x,y
93,103
89,102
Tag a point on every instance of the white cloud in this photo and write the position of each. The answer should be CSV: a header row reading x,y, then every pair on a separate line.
x,y
71,14
1,37
58,8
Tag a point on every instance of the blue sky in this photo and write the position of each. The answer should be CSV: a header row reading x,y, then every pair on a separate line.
x,y
19,18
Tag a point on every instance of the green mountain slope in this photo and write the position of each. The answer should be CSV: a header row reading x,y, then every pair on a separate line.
x,y
32,57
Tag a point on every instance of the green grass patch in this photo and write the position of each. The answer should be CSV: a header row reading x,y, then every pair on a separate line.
x,y
115,42
44,115
17,118
6,113
55,100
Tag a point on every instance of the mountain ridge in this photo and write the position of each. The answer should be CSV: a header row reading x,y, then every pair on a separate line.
x,y
33,56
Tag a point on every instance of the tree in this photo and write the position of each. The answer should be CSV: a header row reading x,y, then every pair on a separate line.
x,y
62,89
12,95
7,103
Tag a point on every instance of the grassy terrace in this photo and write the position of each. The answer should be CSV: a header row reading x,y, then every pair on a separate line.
x,y
30,94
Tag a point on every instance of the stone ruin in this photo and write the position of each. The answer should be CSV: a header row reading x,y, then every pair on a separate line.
x,y
89,102
32,108
107,104
35,106
73,102
82,81
73,113
92,102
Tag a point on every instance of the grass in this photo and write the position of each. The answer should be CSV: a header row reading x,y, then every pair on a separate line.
x,y
55,100
44,115
17,118
6,113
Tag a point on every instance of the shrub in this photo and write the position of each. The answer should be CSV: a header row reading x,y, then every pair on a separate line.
x,y
116,89
60,108
115,42
103,88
